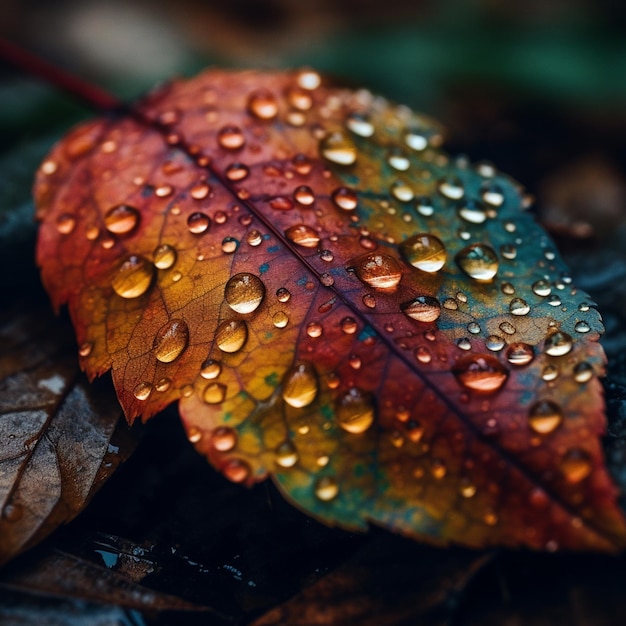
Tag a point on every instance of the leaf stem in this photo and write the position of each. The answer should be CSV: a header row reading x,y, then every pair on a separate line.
x,y
89,94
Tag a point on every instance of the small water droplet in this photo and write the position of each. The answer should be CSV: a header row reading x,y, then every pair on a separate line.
x,y
508,289
402,191
424,206
423,355
478,261
210,369
492,194
304,195
520,354
314,329
214,393
544,417
576,465
92,232
327,280
85,349
308,79
164,256
345,198
121,219
244,292
327,256
416,139
490,518
236,470
12,512
338,148
379,271
223,439
283,294
583,372
163,384
49,167
262,104
467,488
302,164
582,327
229,245
198,223
231,335
464,343
360,125
163,191
542,288
281,203
438,468
507,328
142,391
349,325
133,277
451,304
482,373
231,138
549,373
355,411
303,235
65,223
583,307
558,344
474,328
451,187
300,385
199,191
171,340
194,434
473,212
254,238
423,309
508,251
495,343
554,300
398,160
369,301
237,171
299,99
280,319
518,306
326,488
286,454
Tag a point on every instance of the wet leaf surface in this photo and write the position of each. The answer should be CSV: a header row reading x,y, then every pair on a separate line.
x,y
338,303
59,439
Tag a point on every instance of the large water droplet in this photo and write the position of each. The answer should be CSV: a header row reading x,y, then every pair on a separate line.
x,y
326,488
558,344
422,309
171,340
133,277
482,373
338,148
303,235
262,104
379,271
300,385
424,251
244,292
286,454
355,411
121,219
478,261
545,417
576,465
164,256
231,335
520,354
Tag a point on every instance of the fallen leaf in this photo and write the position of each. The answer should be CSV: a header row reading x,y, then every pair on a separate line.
x,y
335,302
58,436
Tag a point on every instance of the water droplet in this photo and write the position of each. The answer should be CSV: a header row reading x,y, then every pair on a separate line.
x,y
314,329
466,488
464,343
360,125
518,306
85,349
438,468
308,79
164,256
281,203
492,194
229,245
254,238
327,280
237,171
349,325
490,518
554,300
300,385
423,355
121,219
473,212
520,354
262,104
545,417
223,439
355,362
451,187
401,190
369,301
299,99
355,411
583,372
214,393
303,195
583,307
549,373
303,235
576,465
474,328
508,289
65,223
280,319
379,271
495,343
171,340
283,294
231,335
231,138
92,232
326,488
133,277
558,344
542,288
345,198
482,373
12,512
338,148
424,206
210,369
198,223
163,384
416,139
478,261
508,251
163,191
582,327
199,191
327,256
423,309
286,454
398,160
236,470
142,391
49,167
302,164
194,434
244,292
507,328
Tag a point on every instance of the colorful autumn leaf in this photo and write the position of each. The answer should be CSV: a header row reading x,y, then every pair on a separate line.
x,y
337,303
